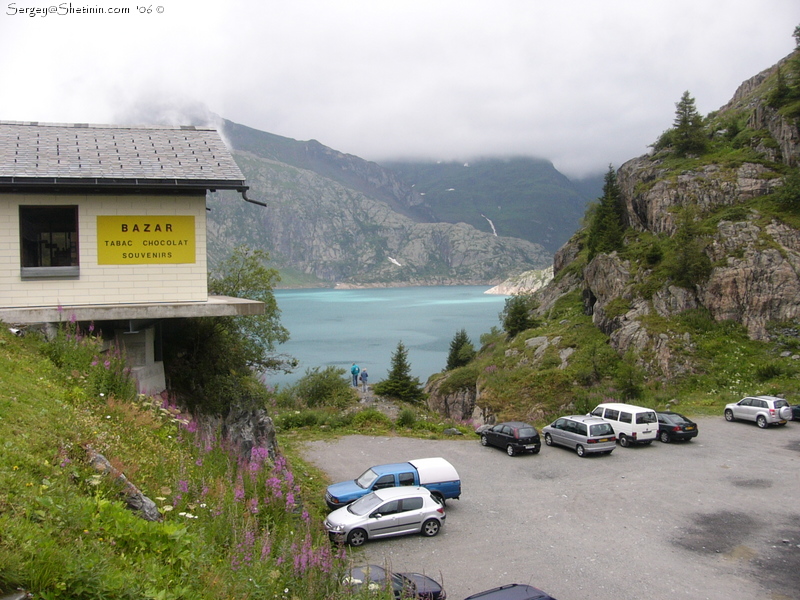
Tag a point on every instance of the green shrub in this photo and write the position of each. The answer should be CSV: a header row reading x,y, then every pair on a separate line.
x,y
768,371
324,388
406,418
297,419
371,418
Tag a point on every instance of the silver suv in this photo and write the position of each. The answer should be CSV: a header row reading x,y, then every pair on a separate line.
x,y
764,410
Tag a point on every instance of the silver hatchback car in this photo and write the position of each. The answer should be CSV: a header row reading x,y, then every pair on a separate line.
x,y
384,513
584,434
764,410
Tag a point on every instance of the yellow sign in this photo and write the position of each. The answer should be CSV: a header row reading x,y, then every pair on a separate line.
x,y
139,239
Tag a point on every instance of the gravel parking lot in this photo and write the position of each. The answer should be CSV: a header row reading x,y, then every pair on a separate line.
x,y
715,518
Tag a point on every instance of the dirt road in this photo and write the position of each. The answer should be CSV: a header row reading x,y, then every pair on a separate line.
x,y
716,518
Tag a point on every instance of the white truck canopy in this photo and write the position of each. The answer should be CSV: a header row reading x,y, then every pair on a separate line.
x,y
434,470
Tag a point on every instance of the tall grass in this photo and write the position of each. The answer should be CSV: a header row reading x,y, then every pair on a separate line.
x,y
231,527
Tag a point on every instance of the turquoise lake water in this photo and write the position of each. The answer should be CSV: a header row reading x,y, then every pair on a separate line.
x,y
340,327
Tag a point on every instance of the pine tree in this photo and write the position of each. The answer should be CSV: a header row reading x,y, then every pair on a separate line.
x,y
689,264
688,130
400,384
517,315
461,351
607,225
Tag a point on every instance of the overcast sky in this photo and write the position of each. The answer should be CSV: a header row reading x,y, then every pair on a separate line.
x,y
584,83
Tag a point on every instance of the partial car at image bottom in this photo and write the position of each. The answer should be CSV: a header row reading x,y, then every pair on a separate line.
x,y
402,585
385,513
515,437
674,426
512,591
585,435
764,410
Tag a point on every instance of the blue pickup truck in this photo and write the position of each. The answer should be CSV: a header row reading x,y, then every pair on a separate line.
x,y
436,474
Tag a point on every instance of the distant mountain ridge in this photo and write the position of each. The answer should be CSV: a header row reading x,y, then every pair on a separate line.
x,y
336,219
518,196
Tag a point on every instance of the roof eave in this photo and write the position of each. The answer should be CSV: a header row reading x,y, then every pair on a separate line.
x,y
118,185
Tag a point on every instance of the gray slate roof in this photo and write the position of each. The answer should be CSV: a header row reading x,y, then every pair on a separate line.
x,y
53,154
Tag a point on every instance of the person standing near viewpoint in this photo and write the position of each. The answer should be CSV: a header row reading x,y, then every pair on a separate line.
x,y
354,371
364,376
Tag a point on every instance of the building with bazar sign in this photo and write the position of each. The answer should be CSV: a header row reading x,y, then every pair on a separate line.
x,y
107,224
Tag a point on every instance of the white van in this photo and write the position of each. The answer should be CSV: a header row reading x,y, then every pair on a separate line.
x,y
632,424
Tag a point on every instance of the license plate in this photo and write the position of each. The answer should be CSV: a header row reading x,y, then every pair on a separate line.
x,y
603,440
689,428
530,447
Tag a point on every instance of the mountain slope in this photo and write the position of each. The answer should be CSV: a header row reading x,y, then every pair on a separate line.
x,y
518,197
339,235
338,219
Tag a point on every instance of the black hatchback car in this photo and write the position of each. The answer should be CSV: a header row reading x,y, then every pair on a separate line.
x,y
513,591
674,426
515,437
402,585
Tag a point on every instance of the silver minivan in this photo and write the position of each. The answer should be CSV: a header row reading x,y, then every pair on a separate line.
x,y
583,434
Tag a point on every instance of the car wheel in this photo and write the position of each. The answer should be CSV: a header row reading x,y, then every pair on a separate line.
x,y
357,537
664,437
547,439
623,440
510,450
580,450
535,451
761,421
729,415
430,527
484,440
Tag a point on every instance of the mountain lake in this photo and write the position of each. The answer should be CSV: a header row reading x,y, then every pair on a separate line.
x,y
363,326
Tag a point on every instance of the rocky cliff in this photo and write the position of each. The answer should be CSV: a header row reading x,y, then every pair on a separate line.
x,y
747,242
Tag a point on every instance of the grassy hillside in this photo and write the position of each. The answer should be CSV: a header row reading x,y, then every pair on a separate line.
x,y
230,529
521,378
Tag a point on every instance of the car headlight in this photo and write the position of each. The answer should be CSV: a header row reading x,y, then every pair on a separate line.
x,y
332,527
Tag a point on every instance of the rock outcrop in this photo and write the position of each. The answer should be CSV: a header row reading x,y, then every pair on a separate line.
x,y
753,256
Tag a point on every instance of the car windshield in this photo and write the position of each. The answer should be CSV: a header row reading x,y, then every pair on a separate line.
x,y
525,432
601,429
366,479
365,505
643,418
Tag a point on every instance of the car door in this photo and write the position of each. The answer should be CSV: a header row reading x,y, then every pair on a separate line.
x,y
744,409
557,432
383,482
498,435
570,434
382,521
409,515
